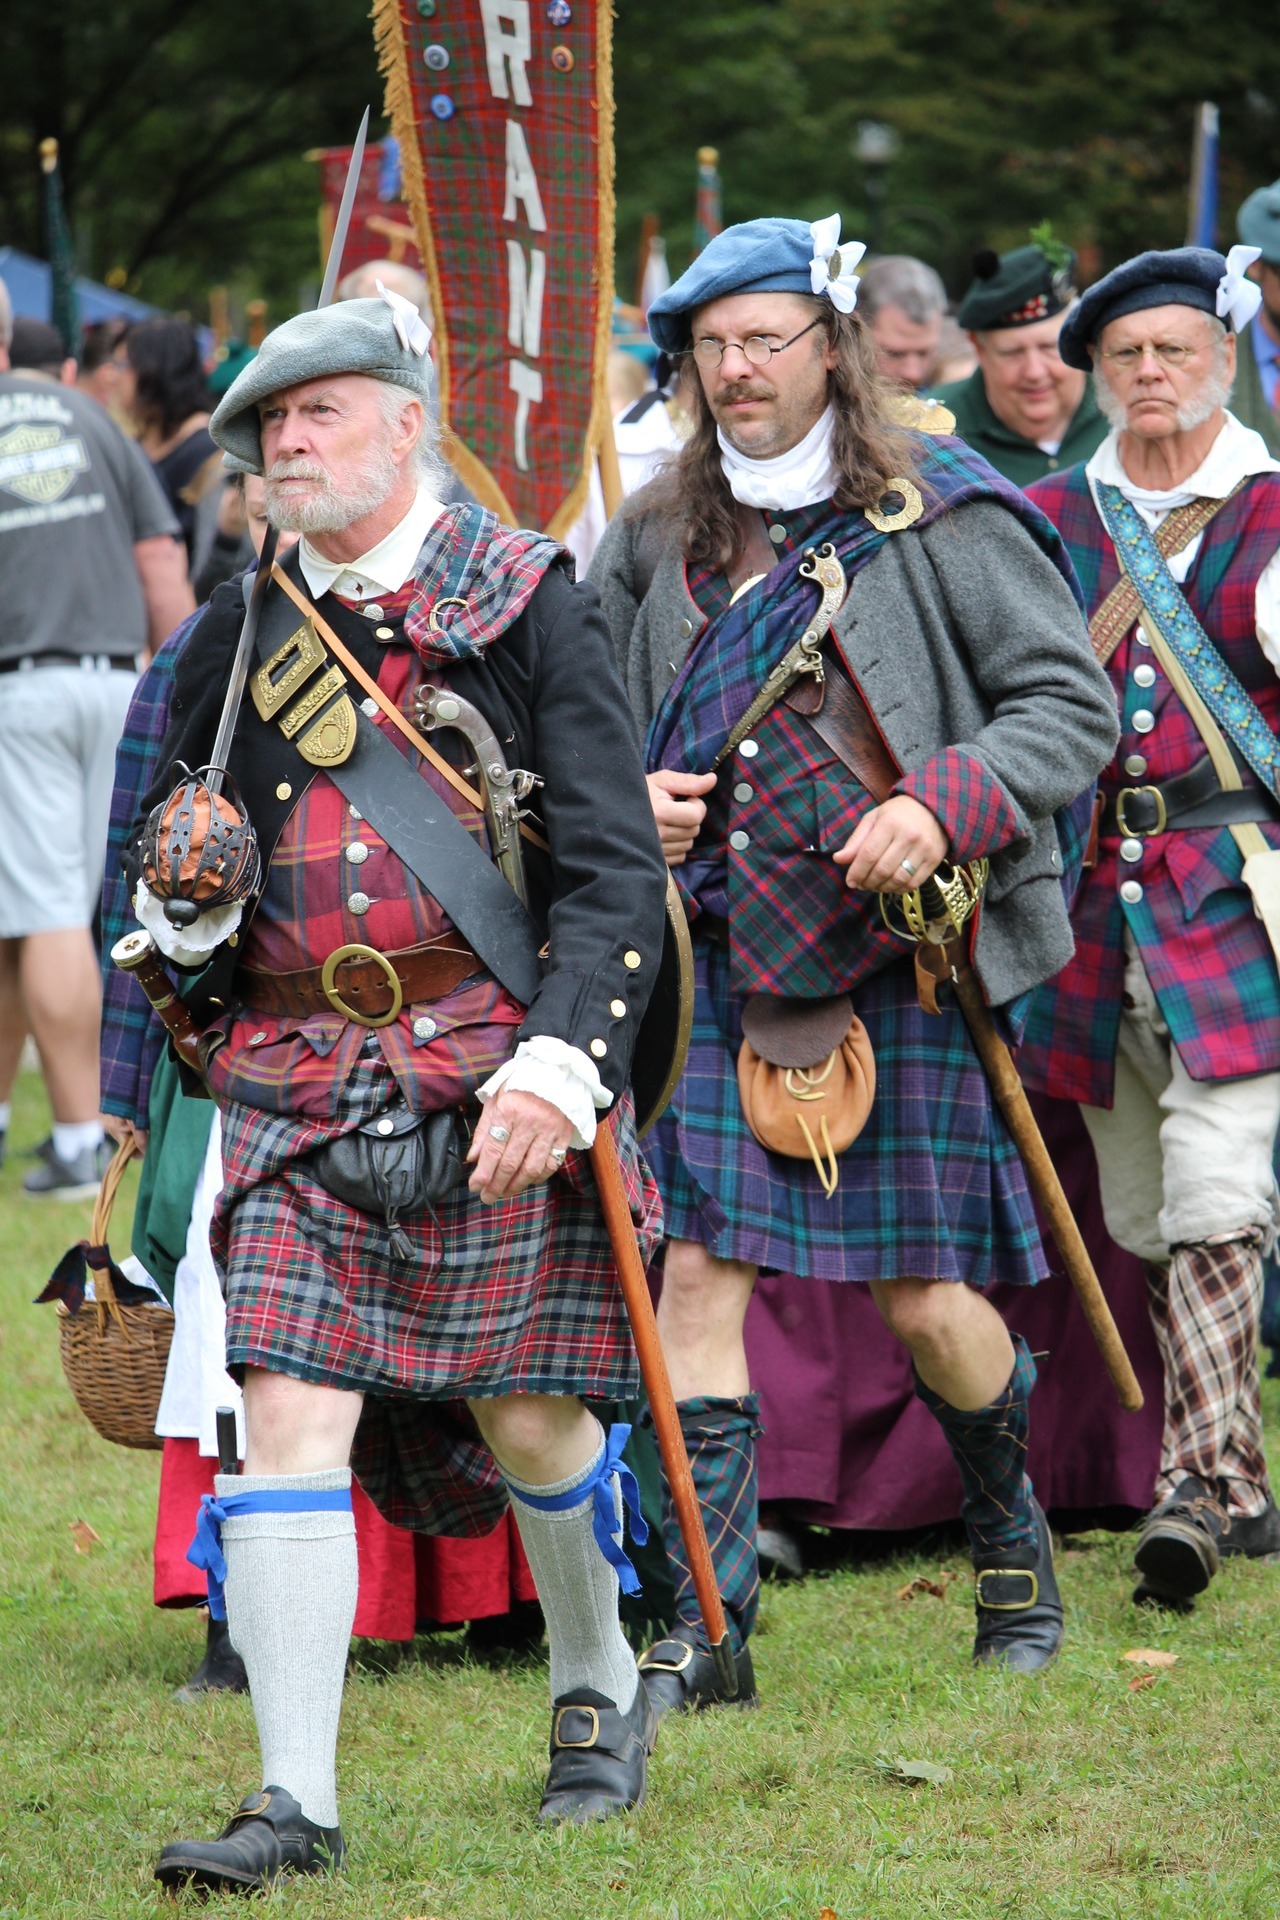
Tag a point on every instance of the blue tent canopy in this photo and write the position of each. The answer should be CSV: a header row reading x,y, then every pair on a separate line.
x,y
30,284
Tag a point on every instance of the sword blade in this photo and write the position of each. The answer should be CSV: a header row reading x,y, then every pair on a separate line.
x,y
240,664
333,264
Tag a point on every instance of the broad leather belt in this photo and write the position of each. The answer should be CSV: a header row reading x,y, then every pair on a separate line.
x,y
360,983
1191,800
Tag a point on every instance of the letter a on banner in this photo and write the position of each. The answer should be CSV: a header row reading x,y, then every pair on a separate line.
x,y
504,114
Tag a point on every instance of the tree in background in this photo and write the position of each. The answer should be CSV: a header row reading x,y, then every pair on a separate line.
x,y
183,126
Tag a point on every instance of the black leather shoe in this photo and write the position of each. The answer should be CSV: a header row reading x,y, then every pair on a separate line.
x,y
1178,1550
267,1835
681,1677
221,1670
1018,1606
1254,1538
599,1757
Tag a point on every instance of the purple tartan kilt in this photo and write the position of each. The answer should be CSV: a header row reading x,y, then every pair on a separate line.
x,y
932,1188
516,1298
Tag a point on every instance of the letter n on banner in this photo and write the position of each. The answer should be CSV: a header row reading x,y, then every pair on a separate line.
x,y
505,124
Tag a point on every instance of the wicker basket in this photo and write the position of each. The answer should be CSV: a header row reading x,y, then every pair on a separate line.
x,y
114,1356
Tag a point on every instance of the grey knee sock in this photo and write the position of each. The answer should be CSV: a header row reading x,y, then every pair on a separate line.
x,y
291,1600
578,1590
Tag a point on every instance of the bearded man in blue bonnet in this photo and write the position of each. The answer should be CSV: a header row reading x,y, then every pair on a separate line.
x,y
958,678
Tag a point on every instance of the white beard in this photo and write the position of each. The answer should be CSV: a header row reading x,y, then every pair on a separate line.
x,y
332,508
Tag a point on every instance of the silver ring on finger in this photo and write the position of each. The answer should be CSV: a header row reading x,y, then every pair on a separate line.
x,y
558,1155
500,1134
907,866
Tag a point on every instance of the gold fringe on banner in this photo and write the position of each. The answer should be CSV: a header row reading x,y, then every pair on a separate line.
x,y
393,63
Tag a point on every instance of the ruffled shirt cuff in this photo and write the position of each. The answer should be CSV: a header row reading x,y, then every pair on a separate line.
x,y
559,1073
186,946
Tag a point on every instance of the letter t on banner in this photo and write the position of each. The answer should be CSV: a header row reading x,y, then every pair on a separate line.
x,y
507,149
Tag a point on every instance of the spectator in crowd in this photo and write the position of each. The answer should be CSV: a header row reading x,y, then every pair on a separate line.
x,y
955,358
36,347
904,302
163,390
1023,409
97,374
91,576
362,284
1255,400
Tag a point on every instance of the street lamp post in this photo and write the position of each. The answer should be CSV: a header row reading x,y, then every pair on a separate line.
x,y
874,146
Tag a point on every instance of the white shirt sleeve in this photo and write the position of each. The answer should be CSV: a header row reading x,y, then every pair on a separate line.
x,y
189,946
1267,610
559,1073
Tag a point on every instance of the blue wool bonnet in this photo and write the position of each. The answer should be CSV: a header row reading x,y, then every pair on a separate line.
x,y
1182,276
771,255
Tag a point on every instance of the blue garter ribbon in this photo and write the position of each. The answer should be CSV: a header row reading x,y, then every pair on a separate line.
x,y
599,1489
205,1550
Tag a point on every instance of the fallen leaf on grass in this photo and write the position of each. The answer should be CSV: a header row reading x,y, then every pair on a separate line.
x,y
1150,1657
84,1536
827,1913
922,1584
1141,1681
916,1770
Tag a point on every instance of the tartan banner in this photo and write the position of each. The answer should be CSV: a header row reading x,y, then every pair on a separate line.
x,y
381,224
504,114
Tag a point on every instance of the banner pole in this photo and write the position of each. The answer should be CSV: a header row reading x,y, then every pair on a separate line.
x,y
610,472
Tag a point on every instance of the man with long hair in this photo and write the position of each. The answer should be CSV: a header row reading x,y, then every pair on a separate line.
x,y
957,675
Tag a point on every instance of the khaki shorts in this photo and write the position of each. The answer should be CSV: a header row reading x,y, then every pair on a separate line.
x,y
59,728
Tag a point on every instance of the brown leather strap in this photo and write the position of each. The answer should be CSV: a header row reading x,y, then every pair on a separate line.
x,y
1122,605
755,553
392,712
836,709
427,972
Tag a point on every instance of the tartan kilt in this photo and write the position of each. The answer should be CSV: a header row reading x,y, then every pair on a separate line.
x,y
933,1187
521,1297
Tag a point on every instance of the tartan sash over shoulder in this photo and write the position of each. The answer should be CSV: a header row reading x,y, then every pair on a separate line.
x,y
1166,604
740,647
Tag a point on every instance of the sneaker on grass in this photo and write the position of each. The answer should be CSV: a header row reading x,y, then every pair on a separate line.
x,y
58,1179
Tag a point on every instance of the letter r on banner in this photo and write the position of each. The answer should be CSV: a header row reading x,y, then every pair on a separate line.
x,y
507,52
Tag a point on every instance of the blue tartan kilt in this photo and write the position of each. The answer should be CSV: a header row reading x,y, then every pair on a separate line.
x,y
933,1187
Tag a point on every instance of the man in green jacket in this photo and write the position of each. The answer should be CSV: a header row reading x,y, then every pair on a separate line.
x,y
1256,394
1022,408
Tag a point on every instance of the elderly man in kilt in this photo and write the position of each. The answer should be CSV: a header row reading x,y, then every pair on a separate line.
x,y
1166,1025
959,659
441,1351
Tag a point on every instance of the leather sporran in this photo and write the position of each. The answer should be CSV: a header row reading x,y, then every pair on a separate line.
x,y
396,1165
806,1078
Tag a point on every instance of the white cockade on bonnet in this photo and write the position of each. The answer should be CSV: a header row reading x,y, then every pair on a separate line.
x,y
1238,298
415,334
831,270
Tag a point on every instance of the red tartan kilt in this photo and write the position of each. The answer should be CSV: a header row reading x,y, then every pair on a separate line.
x,y
516,1298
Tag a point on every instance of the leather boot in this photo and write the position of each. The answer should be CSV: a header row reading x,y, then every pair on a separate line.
x,y
681,1677
221,1670
1180,1545
1020,1620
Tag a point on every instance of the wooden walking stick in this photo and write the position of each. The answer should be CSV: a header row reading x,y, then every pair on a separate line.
x,y
934,916
657,1383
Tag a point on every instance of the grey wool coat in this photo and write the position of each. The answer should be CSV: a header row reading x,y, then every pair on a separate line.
x,y
963,634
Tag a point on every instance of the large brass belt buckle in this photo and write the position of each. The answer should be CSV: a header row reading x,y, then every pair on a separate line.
x,y
1141,833
328,979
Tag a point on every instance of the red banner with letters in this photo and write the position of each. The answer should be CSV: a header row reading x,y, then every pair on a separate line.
x,y
381,224
504,114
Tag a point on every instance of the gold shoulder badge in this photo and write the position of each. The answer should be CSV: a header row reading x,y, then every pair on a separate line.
x,y
329,742
920,414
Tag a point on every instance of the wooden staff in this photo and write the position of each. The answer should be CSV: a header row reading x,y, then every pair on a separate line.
x,y
657,1384
1043,1177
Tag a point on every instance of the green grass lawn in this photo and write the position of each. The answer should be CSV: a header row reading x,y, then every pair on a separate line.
x,y
1069,1795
